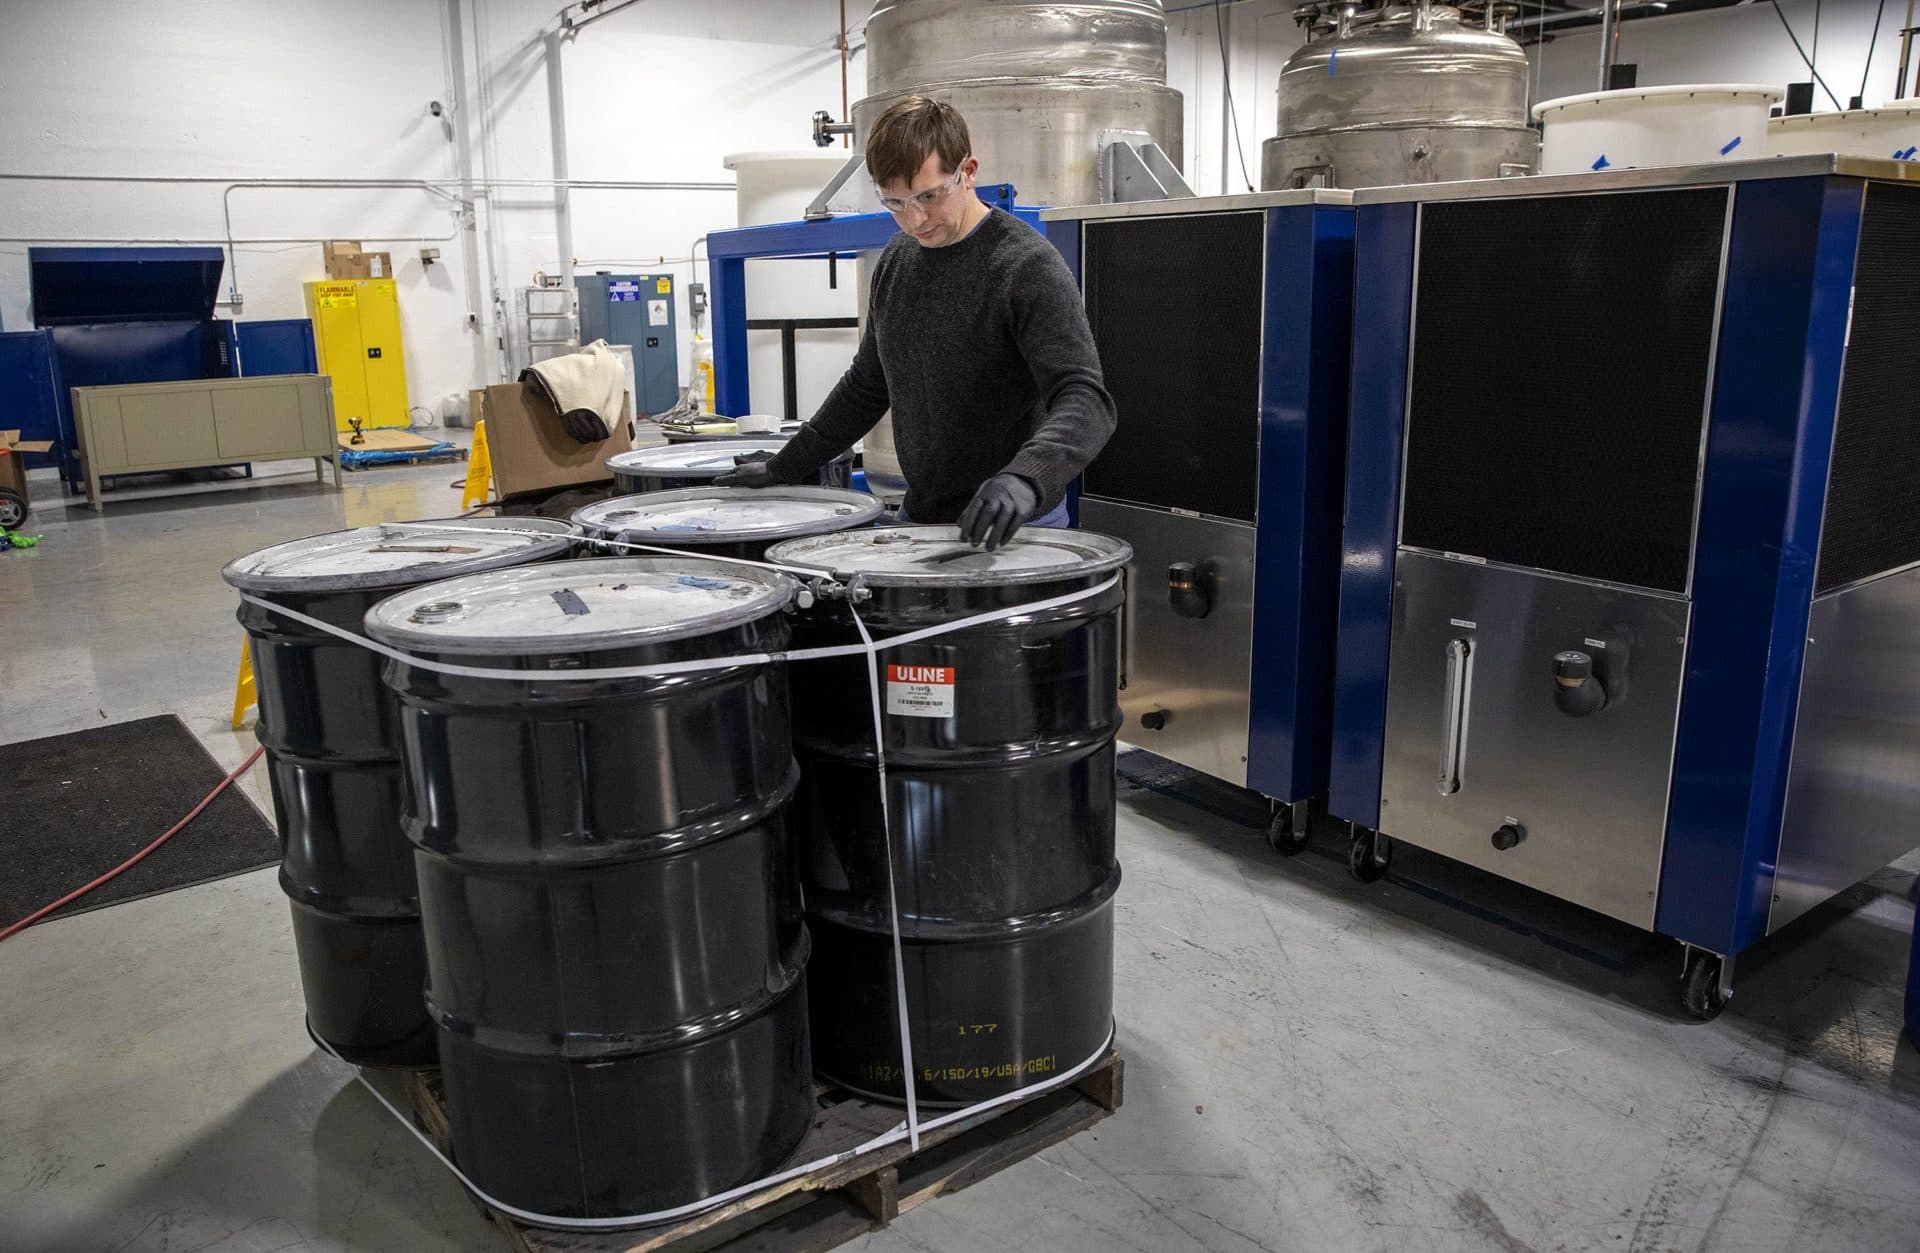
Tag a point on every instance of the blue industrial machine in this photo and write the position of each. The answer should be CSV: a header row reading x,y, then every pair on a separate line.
x,y
635,310
839,238
1223,330
1630,598
276,346
128,315
31,398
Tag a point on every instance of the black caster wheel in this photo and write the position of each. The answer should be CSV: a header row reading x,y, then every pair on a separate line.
x,y
1369,855
1284,835
13,509
1700,985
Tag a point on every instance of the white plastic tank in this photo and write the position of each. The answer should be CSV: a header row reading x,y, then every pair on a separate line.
x,y
1685,124
1889,132
777,187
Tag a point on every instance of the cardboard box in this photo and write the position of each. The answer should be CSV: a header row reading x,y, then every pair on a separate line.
x,y
13,466
531,451
346,259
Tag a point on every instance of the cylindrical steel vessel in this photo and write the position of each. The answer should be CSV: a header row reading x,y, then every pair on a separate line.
x,y
333,762
725,521
999,743
697,463
616,959
1041,83
1402,94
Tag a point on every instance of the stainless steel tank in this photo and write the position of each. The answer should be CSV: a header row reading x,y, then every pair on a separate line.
x,y
1040,83
1401,94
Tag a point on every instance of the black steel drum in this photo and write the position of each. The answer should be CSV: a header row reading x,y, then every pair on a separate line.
x,y
725,521
616,956
696,463
1000,780
333,762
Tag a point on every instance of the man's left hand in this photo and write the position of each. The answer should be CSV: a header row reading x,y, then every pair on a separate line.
x,y
997,510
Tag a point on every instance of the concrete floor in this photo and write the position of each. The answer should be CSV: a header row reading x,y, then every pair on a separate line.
x,y
1433,1062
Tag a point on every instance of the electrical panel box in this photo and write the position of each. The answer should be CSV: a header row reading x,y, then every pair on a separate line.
x,y
636,310
356,335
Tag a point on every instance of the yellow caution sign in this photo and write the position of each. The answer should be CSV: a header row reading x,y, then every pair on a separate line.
x,y
663,286
479,471
245,693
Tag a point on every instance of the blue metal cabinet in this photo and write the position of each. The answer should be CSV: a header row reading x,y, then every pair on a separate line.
x,y
129,315
1631,577
30,393
636,310
276,346
1222,325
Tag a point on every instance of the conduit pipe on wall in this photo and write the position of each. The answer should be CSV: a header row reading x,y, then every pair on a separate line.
x,y
438,188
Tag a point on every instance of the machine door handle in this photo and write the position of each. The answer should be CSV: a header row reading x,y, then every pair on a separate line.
x,y
1453,738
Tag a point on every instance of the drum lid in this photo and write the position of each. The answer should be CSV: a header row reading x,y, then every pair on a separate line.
x,y
578,606
721,515
396,555
937,556
701,460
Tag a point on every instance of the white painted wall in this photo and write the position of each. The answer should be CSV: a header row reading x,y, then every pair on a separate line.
x,y
1741,44
290,89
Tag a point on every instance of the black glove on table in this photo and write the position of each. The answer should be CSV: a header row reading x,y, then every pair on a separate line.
x,y
997,510
752,469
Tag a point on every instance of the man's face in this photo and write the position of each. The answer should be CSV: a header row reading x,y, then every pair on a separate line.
x,y
944,221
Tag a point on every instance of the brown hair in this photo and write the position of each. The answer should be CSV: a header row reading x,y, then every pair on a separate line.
x,y
911,131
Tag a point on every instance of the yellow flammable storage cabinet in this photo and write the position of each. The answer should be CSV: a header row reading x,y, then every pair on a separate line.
x,y
356,336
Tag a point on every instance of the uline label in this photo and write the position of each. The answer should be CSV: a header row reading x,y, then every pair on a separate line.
x,y
920,691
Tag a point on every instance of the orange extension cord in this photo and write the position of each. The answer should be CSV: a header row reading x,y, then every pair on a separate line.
x,y
138,857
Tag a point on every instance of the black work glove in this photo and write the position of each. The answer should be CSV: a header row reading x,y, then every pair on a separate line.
x,y
997,510
753,469
586,426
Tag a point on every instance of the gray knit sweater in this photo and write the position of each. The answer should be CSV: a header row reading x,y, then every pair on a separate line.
x,y
982,351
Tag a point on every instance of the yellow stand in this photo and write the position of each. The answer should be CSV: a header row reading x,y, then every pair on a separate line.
x,y
479,470
244,691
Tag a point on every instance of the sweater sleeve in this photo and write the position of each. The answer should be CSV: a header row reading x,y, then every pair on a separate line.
x,y
854,406
1077,417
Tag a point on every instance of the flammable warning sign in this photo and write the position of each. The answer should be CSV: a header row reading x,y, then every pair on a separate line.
x,y
336,295
920,691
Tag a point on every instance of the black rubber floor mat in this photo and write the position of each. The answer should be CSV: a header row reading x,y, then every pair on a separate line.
x,y
72,807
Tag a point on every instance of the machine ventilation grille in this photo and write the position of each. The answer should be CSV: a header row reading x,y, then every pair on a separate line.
x,y
1175,308
1873,490
1589,467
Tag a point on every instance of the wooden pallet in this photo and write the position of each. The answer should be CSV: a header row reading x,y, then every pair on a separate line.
x,y
383,439
830,1206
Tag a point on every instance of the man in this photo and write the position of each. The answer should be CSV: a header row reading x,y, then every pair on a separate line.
x,y
976,338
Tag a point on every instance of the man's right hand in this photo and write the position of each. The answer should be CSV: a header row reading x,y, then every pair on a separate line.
x,y
751,470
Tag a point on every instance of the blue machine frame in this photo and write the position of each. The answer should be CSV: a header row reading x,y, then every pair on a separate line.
x,y
1284,654
1303,448
128,315
30,398
1783,329
276,346
843,237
